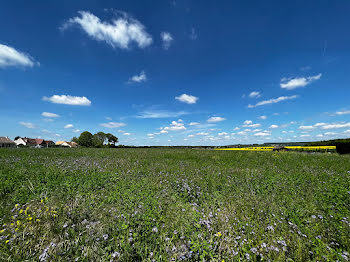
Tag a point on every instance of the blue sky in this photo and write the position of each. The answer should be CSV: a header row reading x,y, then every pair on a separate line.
x,y
176,72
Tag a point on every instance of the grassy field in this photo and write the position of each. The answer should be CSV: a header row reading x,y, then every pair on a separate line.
x,y
173,205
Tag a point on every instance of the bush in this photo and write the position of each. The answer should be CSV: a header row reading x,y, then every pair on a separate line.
x,y
343,148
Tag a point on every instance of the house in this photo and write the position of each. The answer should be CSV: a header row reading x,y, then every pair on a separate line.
x,y
33,142
25,141
6,142
66,144
62,143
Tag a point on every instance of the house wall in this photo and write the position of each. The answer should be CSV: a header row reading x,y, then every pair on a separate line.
x,y
20,141
7,145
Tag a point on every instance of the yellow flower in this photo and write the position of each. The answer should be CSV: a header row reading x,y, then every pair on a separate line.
x,y
16,205
12,224
38,220
2,231
7,241
30,218
42,201
21,211
218,234
16,229
18,223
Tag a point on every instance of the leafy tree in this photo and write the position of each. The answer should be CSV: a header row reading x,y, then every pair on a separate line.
x,y
75,139
99,139
111,139
85,139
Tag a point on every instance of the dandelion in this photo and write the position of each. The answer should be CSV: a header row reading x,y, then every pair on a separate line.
x,y
7,241
16,206
218,234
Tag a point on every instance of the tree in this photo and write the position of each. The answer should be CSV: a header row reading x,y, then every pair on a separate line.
x,y
75,139
85,139
99,139
111,139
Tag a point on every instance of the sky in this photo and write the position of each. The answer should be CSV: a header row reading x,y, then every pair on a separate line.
x,y
176,72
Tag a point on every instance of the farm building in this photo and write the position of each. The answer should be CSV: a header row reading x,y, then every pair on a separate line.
x,y
66,144
6,142
33,142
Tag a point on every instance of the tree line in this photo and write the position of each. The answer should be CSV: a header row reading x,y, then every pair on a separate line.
x,y
100,139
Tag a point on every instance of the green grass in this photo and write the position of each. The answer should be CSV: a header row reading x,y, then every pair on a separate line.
x,y
173,205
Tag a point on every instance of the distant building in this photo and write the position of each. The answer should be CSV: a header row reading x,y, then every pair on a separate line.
x,y
33,142
66,144
6,142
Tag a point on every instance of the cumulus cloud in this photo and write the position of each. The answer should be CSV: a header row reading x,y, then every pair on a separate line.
x,y
273,101
160,114
215,119
121,32
292,83
202,134
167,39
249,123
335,126
28,125
11,57
222,134
175,126
254,94
188,99
263,117
48,114
69,126
126,134
194,124
76,130
306,127
340,113
138,78
68,100
112,124
273,126
264,133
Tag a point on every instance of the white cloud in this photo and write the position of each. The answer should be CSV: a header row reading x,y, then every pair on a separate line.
x,y
138,78
242,133
126,134
304,135
236,128
292,83
215,119
68,126
329,133
121,32
254,94
347,131
273,101
249,123
108,118
28,125
112,124
188,99
223,134
163,132
68,100
11,57
160,114
202,134
346,112
48,119
306,127
175,126
263,117
47,114
264,133
167,39
76,130
194,124
190,136
273,126
335,126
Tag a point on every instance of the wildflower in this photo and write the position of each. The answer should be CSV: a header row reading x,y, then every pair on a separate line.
x,y
2,231
155,230
18,223
218,234
105,236
16,205
7,241
21,211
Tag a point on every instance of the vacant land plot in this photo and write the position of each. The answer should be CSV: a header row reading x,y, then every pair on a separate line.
x,y
173,205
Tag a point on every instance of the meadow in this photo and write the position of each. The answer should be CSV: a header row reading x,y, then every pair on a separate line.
x,y
173,205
